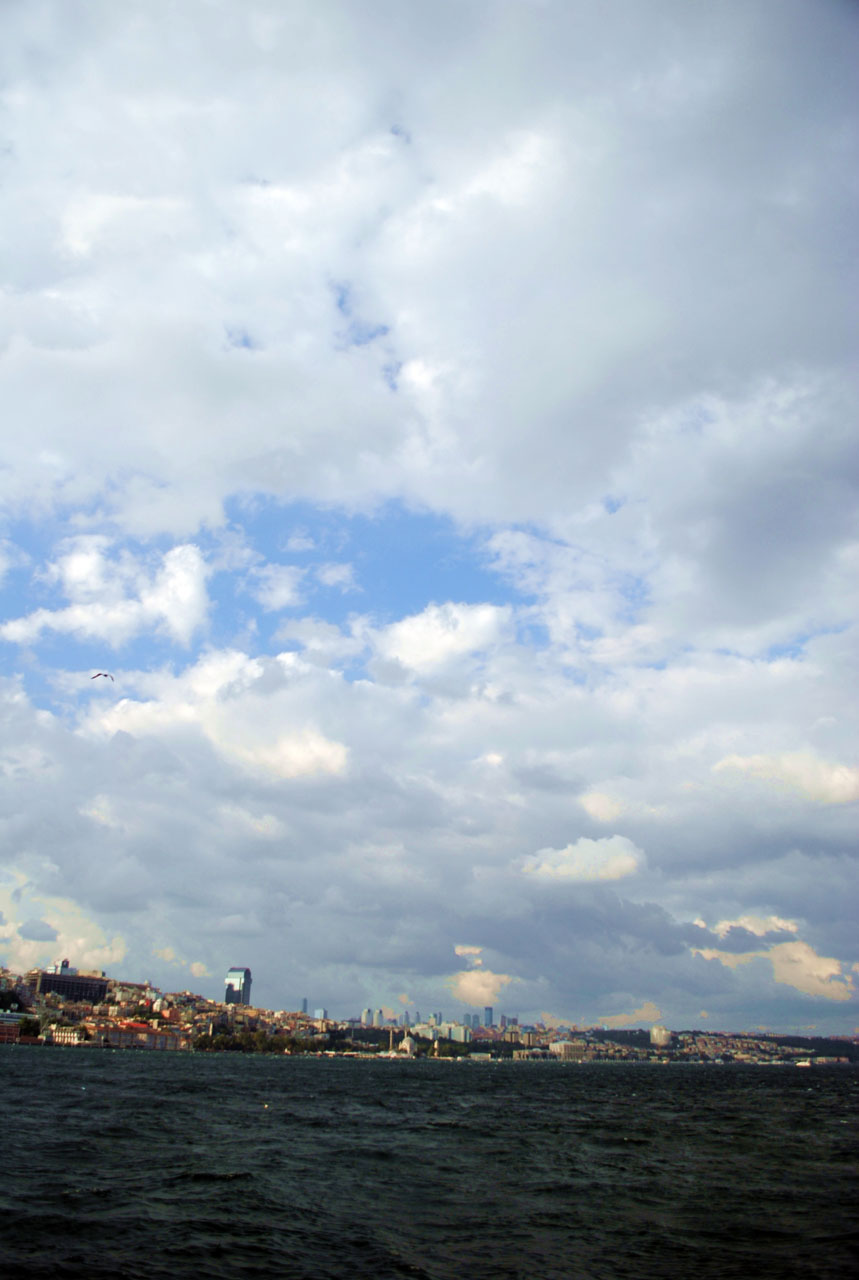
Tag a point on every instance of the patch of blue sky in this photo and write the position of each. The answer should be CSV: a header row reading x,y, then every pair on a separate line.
x,y
359,332
389,564
147,650
391,374
17,596
535,635
575,675
241,339
634,591
797,645
401,560
588,633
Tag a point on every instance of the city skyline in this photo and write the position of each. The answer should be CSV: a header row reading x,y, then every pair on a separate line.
x,y
433,423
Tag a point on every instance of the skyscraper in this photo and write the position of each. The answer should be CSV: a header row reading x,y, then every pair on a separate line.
x,y
238,986
487,1016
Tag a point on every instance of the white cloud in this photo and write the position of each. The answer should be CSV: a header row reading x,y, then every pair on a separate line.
x,y
609,858
443,632
218,699
295,755
797,965
337,575
478,986
648,1012
811,777
113,599
71,933
758,925
601,807
276,586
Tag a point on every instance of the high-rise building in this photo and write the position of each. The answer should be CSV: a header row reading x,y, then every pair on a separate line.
x,y
237,986
488,1016
366,1017
304,1004
378,1018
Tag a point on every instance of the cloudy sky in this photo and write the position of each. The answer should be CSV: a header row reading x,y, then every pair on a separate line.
x,y
439,419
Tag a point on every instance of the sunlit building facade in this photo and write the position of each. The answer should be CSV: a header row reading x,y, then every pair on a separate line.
x,y
238,986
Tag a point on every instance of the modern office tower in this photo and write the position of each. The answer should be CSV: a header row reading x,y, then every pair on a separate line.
x,y
238,986
503,1022
405,1020
488,1016
304,1005
366,1017
378,1018
320,1013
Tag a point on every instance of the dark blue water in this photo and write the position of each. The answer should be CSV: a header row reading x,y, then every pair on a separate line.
x,y
127,1164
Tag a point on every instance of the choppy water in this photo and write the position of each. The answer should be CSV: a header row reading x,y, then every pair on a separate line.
x,y
128,1164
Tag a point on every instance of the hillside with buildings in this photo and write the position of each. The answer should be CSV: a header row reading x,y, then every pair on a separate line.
x,y
65,1007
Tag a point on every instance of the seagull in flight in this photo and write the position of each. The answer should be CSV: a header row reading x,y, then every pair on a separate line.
x,y
106,675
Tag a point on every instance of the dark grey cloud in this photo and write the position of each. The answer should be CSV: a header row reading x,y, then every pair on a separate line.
x,y
37,931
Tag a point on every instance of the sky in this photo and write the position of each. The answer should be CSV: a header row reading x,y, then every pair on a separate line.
x,y
439,421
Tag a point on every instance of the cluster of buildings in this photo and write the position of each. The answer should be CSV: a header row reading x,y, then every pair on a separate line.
x,y
61,1005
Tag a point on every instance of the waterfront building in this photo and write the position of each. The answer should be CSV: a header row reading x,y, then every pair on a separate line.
x,y
568,1050
86,988
237,986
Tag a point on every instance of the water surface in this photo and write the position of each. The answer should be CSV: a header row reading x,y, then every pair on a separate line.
x,y
134,1164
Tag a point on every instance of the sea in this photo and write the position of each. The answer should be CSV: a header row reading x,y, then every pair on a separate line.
x,y
141,1164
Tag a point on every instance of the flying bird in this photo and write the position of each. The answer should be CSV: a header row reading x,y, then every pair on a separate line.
x,y
106,675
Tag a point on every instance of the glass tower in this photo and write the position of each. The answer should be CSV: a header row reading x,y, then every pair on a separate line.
x,y
238,986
